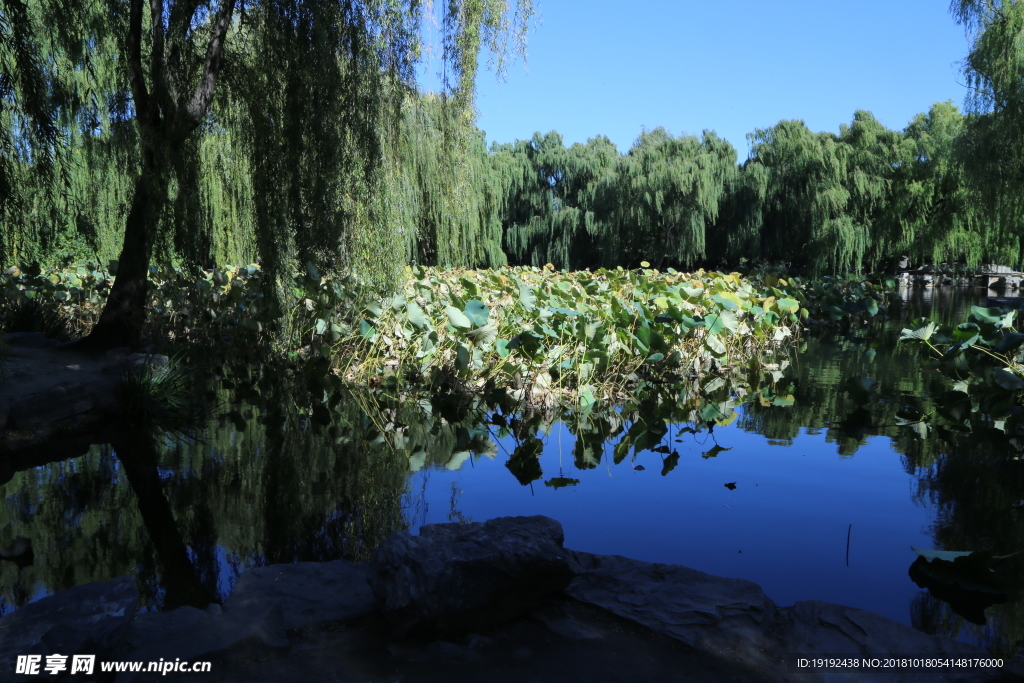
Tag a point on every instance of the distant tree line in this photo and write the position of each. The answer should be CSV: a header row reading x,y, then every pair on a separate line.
x,y
820,201
343,164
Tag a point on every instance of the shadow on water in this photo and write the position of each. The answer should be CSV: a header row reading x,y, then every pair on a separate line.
x,y
292,469
139,457
260,482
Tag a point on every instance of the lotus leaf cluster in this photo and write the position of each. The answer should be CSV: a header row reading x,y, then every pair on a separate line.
x,y
984,358
547,335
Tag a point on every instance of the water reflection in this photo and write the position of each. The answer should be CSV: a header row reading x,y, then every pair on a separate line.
x,y
291,469
260,483
182,583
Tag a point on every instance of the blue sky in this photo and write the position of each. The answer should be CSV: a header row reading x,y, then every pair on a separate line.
x,y
603,67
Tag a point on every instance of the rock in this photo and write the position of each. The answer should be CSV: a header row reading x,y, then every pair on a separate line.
x,y
195,635
36,340
726,617
458,577
477,641
118,354
154,361
447,650
734,620
310,593
523,652
1015,666
565,624
59,403
88,619
821,627
52,395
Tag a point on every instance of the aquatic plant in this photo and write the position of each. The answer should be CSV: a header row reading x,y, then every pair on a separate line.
x,y
984,359
38,305
161,393
548,335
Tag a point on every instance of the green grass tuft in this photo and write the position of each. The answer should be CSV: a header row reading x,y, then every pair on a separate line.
x,y
164,396
30,315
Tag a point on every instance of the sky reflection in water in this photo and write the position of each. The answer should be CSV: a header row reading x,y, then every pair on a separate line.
x,y
789,513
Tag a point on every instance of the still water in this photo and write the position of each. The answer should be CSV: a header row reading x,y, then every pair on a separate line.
x,y
809,488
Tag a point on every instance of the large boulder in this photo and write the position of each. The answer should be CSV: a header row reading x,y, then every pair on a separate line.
x,y
814,627
88,619
454,578
194,635
733,620
729,618
311,593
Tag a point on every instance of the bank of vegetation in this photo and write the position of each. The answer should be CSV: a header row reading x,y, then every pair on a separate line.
x,y
293,135
549,337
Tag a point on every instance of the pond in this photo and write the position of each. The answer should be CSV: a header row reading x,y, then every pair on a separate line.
x,y
809,484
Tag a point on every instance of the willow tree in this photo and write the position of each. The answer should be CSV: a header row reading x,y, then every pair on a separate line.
x,y
803,197
442,192
992,146
554,212
55,103
873,152
668,191
932,215
304,81
24,105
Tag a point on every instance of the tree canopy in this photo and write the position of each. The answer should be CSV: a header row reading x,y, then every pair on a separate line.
x,y
992,144
298,101
292,132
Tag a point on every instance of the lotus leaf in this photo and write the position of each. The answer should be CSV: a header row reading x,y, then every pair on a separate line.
x,y
1007,380
477,312
527,297
921,330
457,318
483,335
713,342
415,315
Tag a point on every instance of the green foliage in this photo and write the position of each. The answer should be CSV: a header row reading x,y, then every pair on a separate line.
x,y
317,149
60,304
161,395
441,193
984,357
860,199
313,112
992,146
825,203
668,195
588,206
551,336
554,207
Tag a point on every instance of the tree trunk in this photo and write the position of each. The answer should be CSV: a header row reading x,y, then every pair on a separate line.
x,y
138,456
165,117
124,314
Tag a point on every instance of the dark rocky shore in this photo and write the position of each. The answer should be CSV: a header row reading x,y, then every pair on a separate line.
x,y
495,601
55,403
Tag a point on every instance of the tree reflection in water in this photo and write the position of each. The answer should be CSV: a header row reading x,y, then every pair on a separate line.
x,y
291,469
